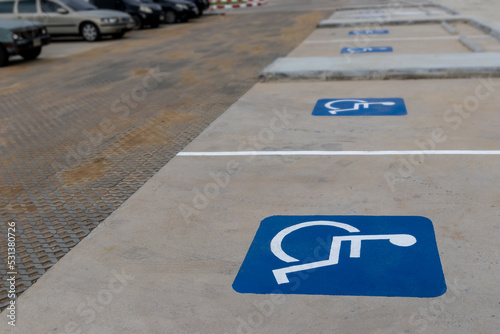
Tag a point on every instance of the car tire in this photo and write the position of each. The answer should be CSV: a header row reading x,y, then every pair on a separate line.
x,y
138,22
170,16
90,32
4,57
31,54
118,35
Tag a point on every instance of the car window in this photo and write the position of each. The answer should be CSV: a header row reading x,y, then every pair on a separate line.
x,y
78,5
6,6
50,6
26,6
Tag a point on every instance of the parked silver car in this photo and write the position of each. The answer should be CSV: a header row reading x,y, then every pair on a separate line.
x,y
69,17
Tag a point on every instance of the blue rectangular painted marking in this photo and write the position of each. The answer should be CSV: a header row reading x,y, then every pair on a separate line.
x,y
360,107
393,256
370,49
368,32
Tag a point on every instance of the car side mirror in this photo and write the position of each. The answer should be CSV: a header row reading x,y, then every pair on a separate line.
x,y
62,11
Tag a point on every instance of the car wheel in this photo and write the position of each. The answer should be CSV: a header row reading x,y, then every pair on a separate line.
x,y
170,16
4,57
31,54
118,35
90,32
137,21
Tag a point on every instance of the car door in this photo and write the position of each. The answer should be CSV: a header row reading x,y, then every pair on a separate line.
x,y
28,10
60,20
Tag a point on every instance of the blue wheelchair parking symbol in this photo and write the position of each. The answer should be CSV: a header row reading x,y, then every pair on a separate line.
x,y
371,49
360,107
343,255
368,32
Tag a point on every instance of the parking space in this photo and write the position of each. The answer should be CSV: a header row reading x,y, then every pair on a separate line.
x,y
381,31
448,44
429,103
205,211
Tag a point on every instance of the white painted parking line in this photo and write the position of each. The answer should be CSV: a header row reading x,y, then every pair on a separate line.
x,y
336,153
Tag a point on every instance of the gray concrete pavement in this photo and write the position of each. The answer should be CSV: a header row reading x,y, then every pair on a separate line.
x,y
164,261
124,278
429,104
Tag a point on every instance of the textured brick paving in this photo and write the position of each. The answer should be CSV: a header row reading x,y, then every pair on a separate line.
x,y
73,149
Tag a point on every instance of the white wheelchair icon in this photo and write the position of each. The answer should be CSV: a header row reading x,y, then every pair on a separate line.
x,y
357,104
402,240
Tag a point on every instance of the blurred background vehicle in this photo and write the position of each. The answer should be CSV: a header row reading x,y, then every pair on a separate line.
x,y
143,13
193,9
21,37
175,10
201,5
69,17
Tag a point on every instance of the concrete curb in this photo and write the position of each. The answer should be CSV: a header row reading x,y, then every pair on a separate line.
x,y
388,6
383,67
420,20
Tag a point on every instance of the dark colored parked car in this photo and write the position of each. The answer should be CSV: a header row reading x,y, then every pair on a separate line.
x,y
193,9
144,14
201,4
176,10
21,37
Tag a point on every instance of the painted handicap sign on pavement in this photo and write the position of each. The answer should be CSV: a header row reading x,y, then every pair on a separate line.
x,y
360,107
371,49
368,32
343,255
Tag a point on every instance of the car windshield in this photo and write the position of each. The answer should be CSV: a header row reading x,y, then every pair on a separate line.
x,y
78,5
134,2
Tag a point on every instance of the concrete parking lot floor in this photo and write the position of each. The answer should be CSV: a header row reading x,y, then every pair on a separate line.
x,y
153,267
80,134
123,278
